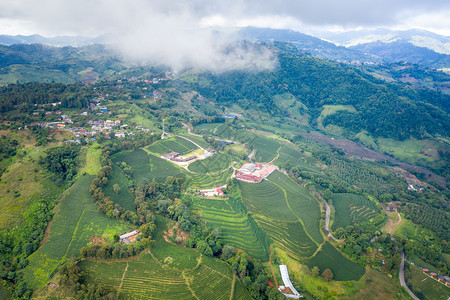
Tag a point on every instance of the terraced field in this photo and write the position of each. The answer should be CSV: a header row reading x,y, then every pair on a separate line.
x,y
302,204
152,275
77,220
286,212
236,228
172,144
212,164
342,267
203,181
352,209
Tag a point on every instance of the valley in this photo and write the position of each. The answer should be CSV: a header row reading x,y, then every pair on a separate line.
x,y
225,176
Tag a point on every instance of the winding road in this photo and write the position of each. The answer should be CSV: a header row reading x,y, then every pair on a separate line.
x,y
401,277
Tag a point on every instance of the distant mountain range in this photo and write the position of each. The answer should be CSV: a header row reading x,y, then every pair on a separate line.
x,y
59,41
363,46
371,46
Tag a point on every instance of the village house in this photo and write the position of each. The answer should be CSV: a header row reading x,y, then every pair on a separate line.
x,y
128,237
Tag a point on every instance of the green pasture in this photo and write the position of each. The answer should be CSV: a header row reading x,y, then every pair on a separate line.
x,y
76,220
352,209
343,269
407,150
93,160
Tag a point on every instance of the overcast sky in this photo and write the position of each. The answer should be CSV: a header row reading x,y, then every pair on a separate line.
x,y
182,26
92,17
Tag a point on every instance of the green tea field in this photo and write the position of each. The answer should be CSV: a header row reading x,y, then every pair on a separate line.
x,y
204,181
172,144
351,209
123,197
236,228
342,268
213,164
76,220
138,160
166,272
286,212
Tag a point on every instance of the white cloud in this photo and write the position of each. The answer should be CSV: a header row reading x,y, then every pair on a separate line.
x,y
183,31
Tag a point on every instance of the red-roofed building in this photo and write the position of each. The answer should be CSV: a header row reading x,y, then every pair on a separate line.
x,y
249,178
258,166
220,192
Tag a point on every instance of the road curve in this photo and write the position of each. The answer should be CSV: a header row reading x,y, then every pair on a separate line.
x,y
401,277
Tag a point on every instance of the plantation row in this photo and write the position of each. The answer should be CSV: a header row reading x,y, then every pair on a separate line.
x,y
203,181
71,229
147,276
212,164
289,236
342,267
237,229
290,156
173,144
352,209
301,203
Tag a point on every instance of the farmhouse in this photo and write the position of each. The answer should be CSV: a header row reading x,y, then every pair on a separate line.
x,y
129,237
183,159
212,192
210,150
170,155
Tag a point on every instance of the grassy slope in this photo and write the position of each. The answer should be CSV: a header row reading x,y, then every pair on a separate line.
x,y
23,184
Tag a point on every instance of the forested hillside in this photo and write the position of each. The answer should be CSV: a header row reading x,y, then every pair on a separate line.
x,y
386,110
